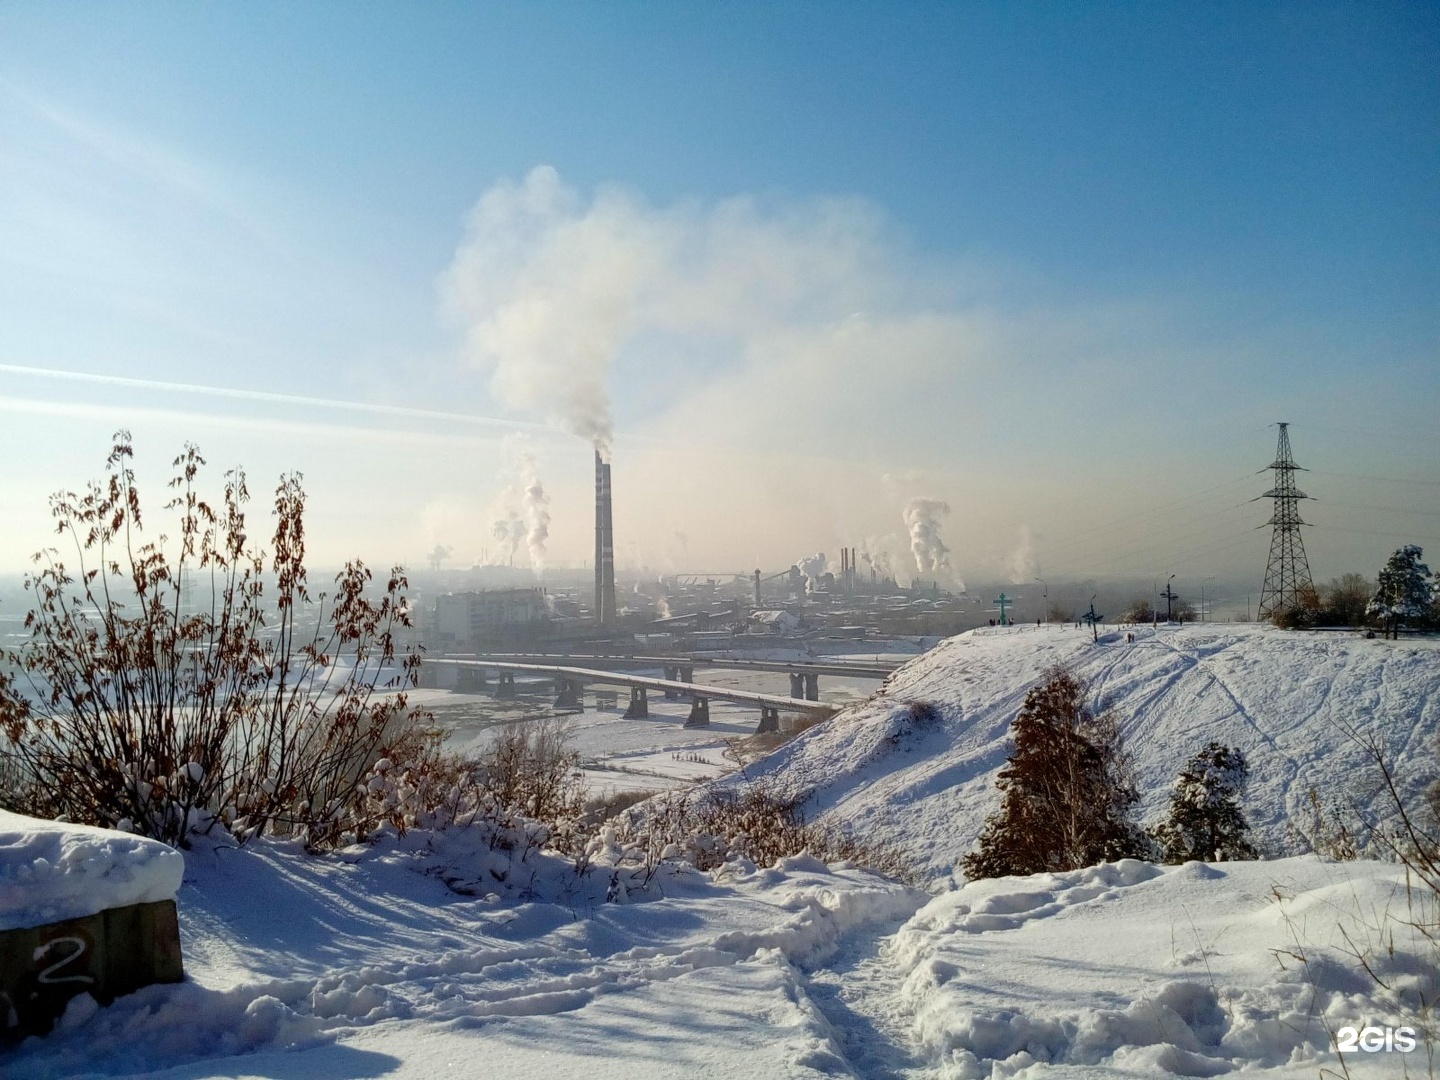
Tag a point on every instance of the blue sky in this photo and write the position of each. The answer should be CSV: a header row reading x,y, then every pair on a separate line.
x,y
1038,261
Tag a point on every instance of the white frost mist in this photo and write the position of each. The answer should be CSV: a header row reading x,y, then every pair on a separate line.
x,y
922,518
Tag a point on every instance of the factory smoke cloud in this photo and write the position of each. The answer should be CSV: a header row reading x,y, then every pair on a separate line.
x,y
922,518
878,562
551,288
547,293
812,566
1024,563
523,508
509,531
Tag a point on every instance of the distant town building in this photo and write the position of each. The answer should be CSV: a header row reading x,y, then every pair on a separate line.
x,y
470,620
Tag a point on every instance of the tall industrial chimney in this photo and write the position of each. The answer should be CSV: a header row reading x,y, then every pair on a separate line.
x,y
604,546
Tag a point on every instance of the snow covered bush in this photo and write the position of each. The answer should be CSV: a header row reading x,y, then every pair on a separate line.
x,y
755,823
1067,789
1205,820
1139,611
164,689
531,767
1404,590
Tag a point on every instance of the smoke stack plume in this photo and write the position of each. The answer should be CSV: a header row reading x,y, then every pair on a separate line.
x,y
537,523
604,545
522,507
922,518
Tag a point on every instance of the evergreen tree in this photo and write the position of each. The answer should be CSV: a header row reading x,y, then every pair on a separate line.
x,y
1404,590
1067,789
1205,819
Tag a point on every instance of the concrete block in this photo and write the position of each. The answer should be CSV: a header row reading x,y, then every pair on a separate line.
x,y
106,955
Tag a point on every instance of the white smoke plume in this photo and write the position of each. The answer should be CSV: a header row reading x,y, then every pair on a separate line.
x,y
812,566
537,522
1024,563
523,507
551,288
509,531
922,518
548,290
879,563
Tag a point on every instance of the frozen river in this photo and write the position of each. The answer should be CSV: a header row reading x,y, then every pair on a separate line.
x,y
654,752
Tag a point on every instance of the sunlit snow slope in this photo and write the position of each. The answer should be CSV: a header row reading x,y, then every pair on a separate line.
x,y
1288,699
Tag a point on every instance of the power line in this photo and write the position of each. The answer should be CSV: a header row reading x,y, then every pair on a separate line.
x,y
1381,509
1379,479
1390,535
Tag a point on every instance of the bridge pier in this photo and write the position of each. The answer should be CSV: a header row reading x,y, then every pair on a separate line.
x,y
769,720
672,672
699,713
470,678
639,703
505,685
570,695
687,674
812,687
797,684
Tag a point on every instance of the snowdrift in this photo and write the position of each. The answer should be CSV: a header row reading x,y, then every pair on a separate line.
x,y
52,871
916,764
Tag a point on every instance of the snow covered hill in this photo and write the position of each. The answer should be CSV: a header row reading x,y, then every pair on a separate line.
x,y
394,959
895,770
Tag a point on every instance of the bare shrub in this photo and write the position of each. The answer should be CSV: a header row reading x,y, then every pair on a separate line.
x,y
532,767
1139,611
1397,949
604,807
135,705
799,723
756,823
1326,829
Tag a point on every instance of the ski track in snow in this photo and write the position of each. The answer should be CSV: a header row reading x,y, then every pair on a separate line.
x,y
1293,702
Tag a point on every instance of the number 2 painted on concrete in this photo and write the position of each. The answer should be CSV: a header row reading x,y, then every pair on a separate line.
x,y
47,977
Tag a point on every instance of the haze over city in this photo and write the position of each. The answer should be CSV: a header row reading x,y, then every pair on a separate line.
x,y
1042,277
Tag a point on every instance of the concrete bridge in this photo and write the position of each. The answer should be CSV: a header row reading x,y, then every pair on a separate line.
x,y
804,675
570,685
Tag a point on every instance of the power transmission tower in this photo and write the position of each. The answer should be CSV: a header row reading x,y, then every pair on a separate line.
x,y
1287,575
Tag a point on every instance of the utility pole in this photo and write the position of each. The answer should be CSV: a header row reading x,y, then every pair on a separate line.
x,y
1287,573
1169,595
1204,611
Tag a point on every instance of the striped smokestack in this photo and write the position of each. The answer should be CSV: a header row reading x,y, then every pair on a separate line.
x,y
604,546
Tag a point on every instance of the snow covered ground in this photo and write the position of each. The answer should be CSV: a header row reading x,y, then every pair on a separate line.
x,y
1288,700
368,965
407,958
